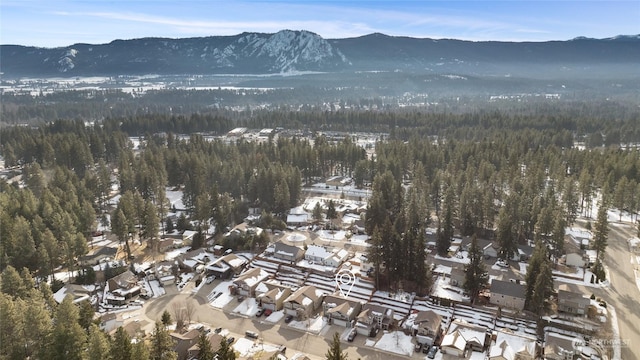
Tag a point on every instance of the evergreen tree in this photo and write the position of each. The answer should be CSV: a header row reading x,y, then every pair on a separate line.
x,y
68,339
443,241
505,235
205,351
121,345
475,275
542,289
539,259
225,351
331,210
140,351
98,345
335,352
317,213
166,318
161,344
601,231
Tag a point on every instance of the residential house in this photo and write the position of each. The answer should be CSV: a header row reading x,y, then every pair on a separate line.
x,y
226,266
289,253
122,288
338,181
322,255
523,254
559,347
490,250
337,258
183,342
510,346
303,302
340,310
590,257
214,340
271,295
109,322
297,217
507,294
571,302
465,245
463,337
79,293
427,326
104,253
246,283
634,245
372,317
579,236
190,261
574,259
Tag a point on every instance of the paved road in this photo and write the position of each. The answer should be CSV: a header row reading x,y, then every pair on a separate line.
x,y
296,340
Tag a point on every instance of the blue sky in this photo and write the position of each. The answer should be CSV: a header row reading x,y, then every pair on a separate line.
x,y
51,23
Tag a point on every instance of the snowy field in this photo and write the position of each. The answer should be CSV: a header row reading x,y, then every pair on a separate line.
x,y
248,307
311,325
443,289
396,342
329,235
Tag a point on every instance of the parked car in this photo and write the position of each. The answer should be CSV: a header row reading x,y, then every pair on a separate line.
x,y
352,335
267,312
217,330
417,348
240,298
502,263
425,349
288,319
432,352
251,334
231,340
210,279
260,312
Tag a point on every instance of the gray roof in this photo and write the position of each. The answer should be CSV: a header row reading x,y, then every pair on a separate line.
x,y
282,247
507,288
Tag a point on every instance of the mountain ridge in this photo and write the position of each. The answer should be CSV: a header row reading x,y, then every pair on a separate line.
x,y
299,50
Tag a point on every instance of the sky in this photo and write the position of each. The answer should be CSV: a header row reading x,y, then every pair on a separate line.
x,y
53,23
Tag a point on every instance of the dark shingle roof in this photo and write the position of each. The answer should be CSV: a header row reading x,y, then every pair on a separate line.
x,y
507,288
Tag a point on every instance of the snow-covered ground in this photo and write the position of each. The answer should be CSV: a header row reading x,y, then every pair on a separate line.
x,y
443,289
275,316
156,288
463,259
175,199
249,348
396,342
220,296
248,307
314,325
170,255
329,235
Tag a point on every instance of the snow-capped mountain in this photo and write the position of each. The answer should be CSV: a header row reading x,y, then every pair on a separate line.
x,y
300,51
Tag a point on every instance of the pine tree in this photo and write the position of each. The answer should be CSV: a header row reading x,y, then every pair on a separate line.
x,y
166,318
121,345
317,213
505,235
331,210
98,344
161,344
205,351
335,352
225,351
601,231
68,339
542,289
475,275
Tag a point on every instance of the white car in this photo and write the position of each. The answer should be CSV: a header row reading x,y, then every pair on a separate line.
x,y
502,263
210,279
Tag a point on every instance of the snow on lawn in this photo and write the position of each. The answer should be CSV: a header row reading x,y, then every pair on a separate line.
x,y
249,348
310,325
463,260
175,199
247,307
331,235
220,296
360,239
170,255
443,289
396,342
275,316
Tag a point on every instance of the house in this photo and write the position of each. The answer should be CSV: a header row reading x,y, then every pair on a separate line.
x,y
463,336
340,310
366,267
246,283
465,245
226,266
289,253
296,220
574,259
579,236
571,302
373,316
109,322
590,257
271,295
303,302
427,327
322,255
214,340
122,288
510,346
507,294
190,260
523,254
337,258
490,250
104,253
559,347
183,342
79,293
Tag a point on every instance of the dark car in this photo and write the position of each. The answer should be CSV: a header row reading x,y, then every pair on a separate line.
x,y
432,352
425,349
352,335
230,340
267,312
288,319
251,334
417,348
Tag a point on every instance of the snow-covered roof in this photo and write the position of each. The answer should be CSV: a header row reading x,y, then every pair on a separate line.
x,y
253,276
508,346
317,252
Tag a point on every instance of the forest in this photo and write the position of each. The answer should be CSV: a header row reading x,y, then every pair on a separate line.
x,y
516,174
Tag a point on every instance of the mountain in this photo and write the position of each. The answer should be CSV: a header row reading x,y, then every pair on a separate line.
x,y
303,51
